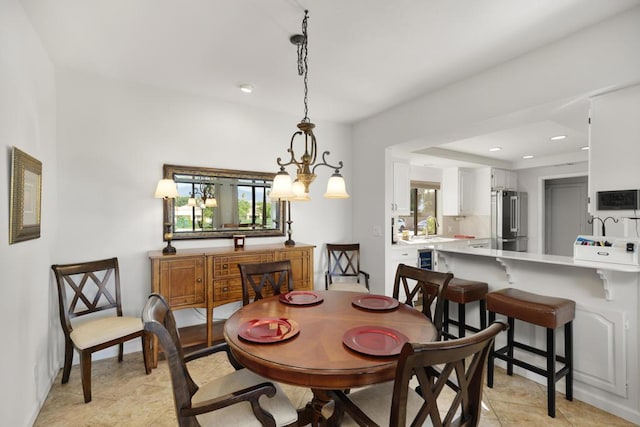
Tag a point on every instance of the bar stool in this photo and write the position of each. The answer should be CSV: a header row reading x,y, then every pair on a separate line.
x,y
462,292
540,310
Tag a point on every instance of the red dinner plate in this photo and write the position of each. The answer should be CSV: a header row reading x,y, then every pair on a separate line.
x,y
301,298
375,340
268,330
375,302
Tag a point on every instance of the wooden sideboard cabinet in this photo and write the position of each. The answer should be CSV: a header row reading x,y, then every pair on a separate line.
x,y
210,277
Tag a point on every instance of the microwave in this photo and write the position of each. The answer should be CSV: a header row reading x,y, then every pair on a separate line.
x,y
618,200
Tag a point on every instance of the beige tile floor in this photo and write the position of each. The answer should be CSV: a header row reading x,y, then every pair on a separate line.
x,y
124,396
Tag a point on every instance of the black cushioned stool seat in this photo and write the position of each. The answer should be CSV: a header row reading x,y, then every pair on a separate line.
x,y
540,310
463,291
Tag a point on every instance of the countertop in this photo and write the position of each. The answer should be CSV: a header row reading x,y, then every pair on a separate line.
x,y
534,257
433,240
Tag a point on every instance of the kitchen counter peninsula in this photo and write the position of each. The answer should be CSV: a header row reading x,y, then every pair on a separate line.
x,y
606,326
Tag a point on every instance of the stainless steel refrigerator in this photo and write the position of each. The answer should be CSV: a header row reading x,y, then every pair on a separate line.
x,y
509,220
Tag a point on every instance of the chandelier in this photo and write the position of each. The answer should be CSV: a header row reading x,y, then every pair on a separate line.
x,y
298,190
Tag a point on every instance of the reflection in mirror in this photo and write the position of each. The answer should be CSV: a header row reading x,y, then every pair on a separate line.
x,y
214,203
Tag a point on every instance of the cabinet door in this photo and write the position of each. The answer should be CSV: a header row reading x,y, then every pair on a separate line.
x,y
467,192
458,188
301,262
498,179
450,192
511,180
502,179
401,188
181,282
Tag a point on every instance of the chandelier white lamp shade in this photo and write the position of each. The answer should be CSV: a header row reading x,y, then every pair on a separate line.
x,y
282,187
299,192
336,188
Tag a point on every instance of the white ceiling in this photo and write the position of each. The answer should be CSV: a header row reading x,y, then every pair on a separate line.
x,y
365,56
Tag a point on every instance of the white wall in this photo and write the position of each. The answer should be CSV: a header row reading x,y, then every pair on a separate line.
x,y
615,151
603,56
27,121
115,137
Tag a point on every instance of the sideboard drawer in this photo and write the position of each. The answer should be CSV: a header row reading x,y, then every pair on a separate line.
x,y
227,290
227,265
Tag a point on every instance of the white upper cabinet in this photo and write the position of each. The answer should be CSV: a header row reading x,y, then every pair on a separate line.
x,y
401,204
458,191
466,191
502,179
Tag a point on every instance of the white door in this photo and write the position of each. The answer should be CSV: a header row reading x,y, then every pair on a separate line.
x,y
565,214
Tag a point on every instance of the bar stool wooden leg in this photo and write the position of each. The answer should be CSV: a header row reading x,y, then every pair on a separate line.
x,y
483,314
551,372
490,358
510,340
462,321
445,326
568,356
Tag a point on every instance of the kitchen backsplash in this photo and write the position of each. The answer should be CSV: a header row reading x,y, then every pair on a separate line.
x,y
473,225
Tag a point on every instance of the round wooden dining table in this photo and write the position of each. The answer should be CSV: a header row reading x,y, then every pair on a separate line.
x,y
316,357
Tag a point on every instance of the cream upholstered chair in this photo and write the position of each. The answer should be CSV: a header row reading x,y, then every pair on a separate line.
x,y
343,268
94,288
461,368
240,398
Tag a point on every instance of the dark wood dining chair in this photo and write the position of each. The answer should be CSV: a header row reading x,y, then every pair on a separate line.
x,y
343,268
461,363
265,278
94,287
240,398
424,287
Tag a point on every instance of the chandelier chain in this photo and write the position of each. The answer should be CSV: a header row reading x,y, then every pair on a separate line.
x,y
303,66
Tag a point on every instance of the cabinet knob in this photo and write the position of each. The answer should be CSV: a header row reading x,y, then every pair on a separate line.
x,y
199,280
225,289
225,265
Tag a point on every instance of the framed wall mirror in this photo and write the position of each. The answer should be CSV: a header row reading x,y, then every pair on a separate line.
x,y
221,203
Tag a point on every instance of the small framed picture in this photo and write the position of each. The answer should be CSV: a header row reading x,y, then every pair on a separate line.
x,y
26,190
238,241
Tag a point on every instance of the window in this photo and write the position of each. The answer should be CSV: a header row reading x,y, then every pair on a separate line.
x,y
424,209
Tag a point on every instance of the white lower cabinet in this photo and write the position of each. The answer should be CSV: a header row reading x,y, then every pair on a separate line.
x,y
399,255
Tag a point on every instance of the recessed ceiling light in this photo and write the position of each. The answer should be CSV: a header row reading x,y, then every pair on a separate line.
x,y
584,148
245,87
528,156
495,148
558,137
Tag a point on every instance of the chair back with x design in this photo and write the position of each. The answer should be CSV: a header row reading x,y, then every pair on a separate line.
x,y
425,287
265,278
460,363
95,286
86,288
343,264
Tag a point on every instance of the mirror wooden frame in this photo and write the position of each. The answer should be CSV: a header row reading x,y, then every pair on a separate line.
x,y
170,171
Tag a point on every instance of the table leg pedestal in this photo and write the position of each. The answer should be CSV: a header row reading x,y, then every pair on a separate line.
x,y
312,412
